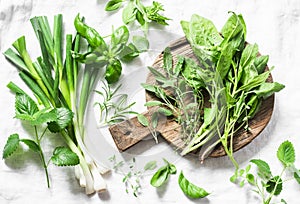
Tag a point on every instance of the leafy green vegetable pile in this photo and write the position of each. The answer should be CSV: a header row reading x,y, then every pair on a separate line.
x,y
135,10
55,81
232,73
265,184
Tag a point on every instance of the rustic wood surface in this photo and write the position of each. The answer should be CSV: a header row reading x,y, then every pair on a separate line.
x,y
130,132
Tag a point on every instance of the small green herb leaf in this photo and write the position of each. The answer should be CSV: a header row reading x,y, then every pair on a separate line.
x,y
274,185
63,156
286,153
297,177
129,13
143,120
113,71
250,178
44,116
160,177
120,36
190,189
31,145
141,43
264,170
113,5
267,89
11,145
165,111
25,107
153,103
151,165
63,118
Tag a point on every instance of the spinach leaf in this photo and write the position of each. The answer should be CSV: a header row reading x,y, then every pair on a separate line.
x,y
267,89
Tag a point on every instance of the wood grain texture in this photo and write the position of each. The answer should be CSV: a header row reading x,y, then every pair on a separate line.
x,y
128,133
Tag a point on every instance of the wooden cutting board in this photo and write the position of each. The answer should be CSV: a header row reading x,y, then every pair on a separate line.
x,y
129,132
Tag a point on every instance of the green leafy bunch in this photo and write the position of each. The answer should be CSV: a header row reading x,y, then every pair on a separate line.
x,y
55,120
135,10
109,55
265,184
242,71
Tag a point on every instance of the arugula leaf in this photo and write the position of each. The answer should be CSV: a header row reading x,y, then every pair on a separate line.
x,y
264,170
274,185
11,145
286,153
63,156
190,189
113,5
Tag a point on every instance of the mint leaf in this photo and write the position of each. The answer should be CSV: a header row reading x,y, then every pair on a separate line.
x,y
63,156
63,118
274,185
31,145
11,145
264,170
44,116
25,107
286,153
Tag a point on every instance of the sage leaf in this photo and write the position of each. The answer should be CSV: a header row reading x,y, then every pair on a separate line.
x,y
151,165
63,156
11,145
286,153
143,120
190,189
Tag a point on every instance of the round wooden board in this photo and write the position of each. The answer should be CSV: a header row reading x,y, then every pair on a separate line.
x,y
242,137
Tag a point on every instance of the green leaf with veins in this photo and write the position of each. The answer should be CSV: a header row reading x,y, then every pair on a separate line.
x,y
286,153
129,13
190,189
151,165
141,43
120,36
274,185
44,116
32,145
63,156
11,145
25,107
63,118
264,170
113,5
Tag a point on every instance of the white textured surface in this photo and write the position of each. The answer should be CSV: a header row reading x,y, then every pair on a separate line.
x,y
273,25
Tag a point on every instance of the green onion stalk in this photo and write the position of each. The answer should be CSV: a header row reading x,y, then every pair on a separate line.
x,y
54,83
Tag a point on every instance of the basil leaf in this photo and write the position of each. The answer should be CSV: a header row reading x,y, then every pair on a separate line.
x,y
120,36
286,153
160,177
129,13
189,189
129,52
113,5
11,145
63,156
113,71
141,43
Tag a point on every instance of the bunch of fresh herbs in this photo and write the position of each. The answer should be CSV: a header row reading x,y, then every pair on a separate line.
x,y
135,10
